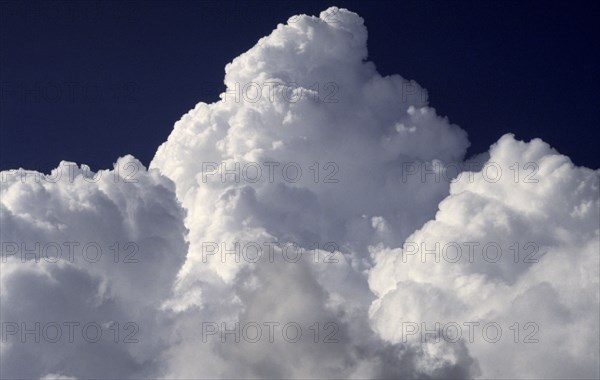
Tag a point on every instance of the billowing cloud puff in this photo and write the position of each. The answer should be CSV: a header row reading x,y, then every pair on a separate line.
x,y
270,229
85,254
521,247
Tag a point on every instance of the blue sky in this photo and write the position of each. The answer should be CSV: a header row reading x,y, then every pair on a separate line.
x,y
90,81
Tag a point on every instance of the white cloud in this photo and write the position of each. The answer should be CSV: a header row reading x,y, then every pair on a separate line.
x,y
342,115
70,221
329,155
553,282
354,140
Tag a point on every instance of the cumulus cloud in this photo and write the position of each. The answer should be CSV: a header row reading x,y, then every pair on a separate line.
x,y
288,206
357,141
87,260
305,95
503,250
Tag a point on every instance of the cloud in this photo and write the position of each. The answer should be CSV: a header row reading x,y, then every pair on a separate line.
x,y
536,262
306,98
85,254
349,150
277,217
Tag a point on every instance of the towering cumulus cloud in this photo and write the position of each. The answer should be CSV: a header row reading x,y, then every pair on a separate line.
x,y
319,221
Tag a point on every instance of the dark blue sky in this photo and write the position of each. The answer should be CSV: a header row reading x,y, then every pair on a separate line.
x,y
88,82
